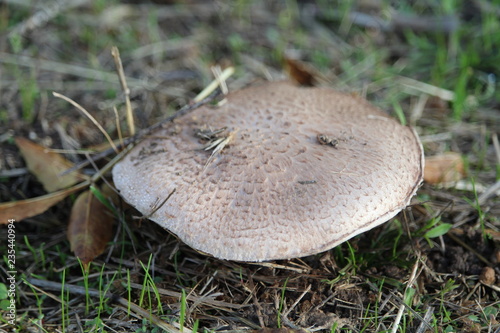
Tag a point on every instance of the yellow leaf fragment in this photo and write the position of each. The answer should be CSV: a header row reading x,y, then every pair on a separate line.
x,y
444,168
22,209
47,166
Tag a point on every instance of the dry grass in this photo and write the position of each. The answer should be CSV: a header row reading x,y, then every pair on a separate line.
x,y
396,273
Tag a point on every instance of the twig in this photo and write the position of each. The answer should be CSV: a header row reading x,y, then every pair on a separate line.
x,y
157,207
426,88
278,266
489,192
221,77
214,84
123,82
418,109
285,314
496,144
426,322
258,306
118,127
411,281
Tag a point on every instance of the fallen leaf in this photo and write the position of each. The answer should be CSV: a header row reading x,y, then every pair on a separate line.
x,y
22,209
444,168
299,71
90,227
47,166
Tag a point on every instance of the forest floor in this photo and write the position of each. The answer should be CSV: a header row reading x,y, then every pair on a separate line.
x,y
432,65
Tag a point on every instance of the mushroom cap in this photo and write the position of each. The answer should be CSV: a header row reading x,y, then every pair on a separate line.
x,y
275,192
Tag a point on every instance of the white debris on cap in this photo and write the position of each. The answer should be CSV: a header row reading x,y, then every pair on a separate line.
x,y
276,190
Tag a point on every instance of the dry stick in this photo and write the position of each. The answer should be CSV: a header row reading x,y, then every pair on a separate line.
x,y
411,281
123,82
284,316
493,189
118,127
147,131
496,144
426,88
218,82
278,266
258,307
489,192
221,77
156,208
74,289
418,109
398,299
426,321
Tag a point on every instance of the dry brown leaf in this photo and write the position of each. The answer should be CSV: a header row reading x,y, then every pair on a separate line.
x,y
22,209
299,72
90,227
444,168
47,166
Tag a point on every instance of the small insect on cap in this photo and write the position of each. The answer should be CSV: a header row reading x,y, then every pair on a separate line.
x,y
276,172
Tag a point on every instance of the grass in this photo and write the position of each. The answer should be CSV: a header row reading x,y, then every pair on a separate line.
x,y
359,286
148,286
182,312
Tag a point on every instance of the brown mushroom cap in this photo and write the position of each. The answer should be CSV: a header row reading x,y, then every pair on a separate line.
x,y
275,191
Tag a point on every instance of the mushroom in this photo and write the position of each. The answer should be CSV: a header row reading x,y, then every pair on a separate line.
x,y
276,172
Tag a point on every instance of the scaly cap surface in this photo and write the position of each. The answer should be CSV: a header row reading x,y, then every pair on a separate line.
x,y
305,170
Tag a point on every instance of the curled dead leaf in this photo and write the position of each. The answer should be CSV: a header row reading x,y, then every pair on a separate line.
x,y
300,72
444,168
90,227
47,166
22,209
